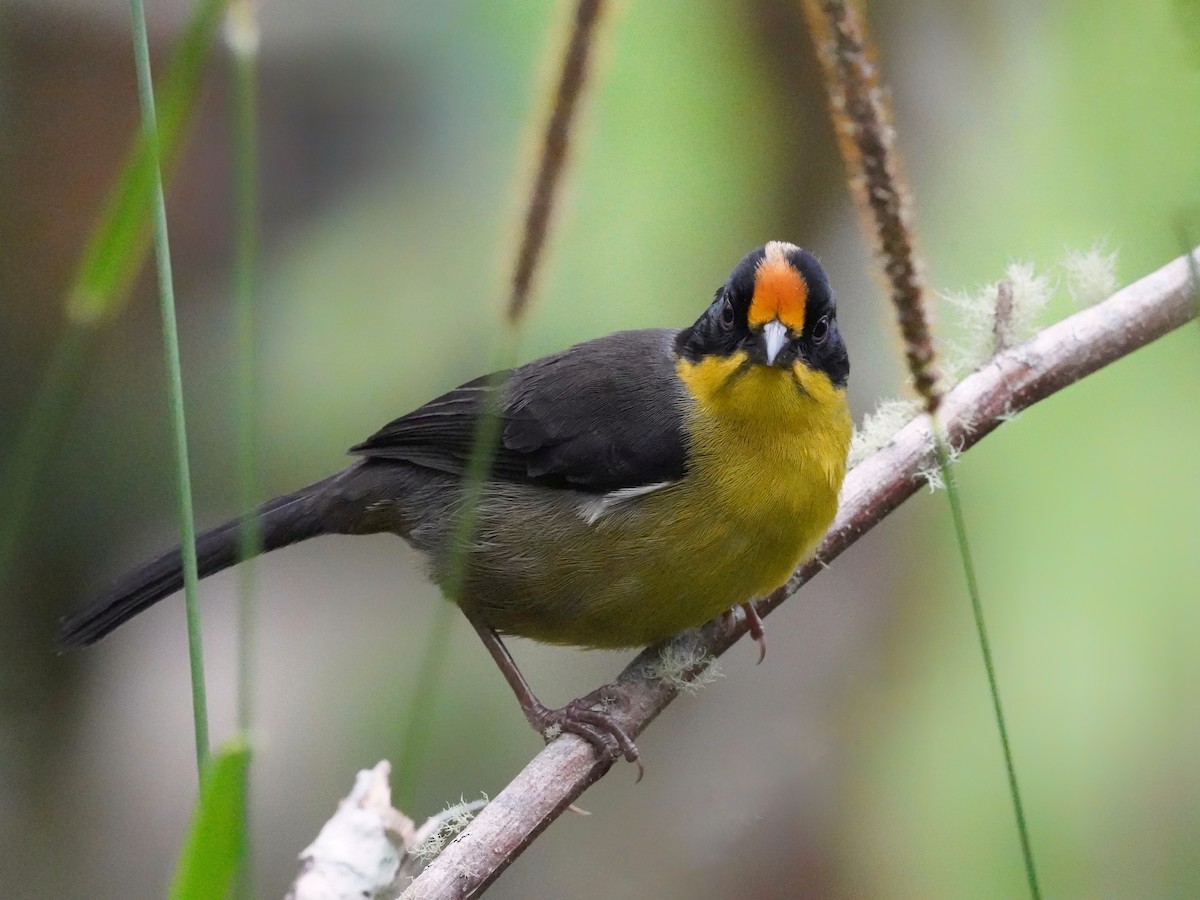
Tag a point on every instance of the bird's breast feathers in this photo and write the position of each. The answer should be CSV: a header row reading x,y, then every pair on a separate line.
x,y
750,424
767,457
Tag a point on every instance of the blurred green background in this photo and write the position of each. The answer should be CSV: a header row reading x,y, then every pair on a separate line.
x,y
861,759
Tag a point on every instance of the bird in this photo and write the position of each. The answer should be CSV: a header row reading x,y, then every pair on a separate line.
x,y
635,485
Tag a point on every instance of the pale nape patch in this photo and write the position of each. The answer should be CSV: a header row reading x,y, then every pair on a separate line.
x,y
775,252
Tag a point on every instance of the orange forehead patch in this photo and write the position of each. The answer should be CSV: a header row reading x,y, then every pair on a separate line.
x,y
780,292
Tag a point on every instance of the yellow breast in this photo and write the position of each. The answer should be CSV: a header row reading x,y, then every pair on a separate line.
x,y
768,456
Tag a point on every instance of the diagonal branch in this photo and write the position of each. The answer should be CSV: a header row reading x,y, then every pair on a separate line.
x,y
1014,380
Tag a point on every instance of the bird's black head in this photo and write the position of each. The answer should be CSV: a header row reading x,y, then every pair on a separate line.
x,y
778,309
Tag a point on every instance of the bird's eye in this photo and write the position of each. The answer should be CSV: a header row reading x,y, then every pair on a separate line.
x,y
727,314
821,330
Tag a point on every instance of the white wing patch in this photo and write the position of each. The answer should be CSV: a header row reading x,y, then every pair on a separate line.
x,y
592,510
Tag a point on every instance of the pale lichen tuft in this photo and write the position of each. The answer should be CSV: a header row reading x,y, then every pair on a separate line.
x,y
686,668
1091,275
880,426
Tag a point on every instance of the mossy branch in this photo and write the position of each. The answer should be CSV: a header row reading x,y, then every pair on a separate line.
x,y
1014,380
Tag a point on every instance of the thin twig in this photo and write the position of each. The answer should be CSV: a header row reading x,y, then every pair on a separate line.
x,y
1002,323
1016,379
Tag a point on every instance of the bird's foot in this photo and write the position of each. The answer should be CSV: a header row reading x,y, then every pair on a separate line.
x,y
757,632
754,624
596,726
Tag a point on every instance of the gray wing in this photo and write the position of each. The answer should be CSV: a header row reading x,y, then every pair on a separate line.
x,y
601,416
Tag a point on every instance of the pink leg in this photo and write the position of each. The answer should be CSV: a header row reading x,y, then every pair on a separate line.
x,y
594,726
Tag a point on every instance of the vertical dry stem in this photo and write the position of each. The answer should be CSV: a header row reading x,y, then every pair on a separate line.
x,y
555,144
862,122
1002,324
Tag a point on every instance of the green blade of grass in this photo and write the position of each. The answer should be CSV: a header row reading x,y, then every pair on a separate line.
x,y
111,259
242,31
242,36
46,418
985,646
115,251
416,732
415,737
216,840
166,293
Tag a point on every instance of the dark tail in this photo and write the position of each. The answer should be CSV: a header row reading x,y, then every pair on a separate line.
x,y
282,521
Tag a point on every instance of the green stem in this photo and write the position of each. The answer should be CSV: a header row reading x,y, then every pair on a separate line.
x,y
166,293
487,432
37,438
415,737
416,733
242,36
245,91
960,531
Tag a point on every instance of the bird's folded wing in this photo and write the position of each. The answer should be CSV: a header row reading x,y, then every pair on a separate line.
x,y
602,416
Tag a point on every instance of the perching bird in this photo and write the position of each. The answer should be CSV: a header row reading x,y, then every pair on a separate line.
x,y
641,483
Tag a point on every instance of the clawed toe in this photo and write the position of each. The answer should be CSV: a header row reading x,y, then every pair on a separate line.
x,y
758,633
596,726
754,626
